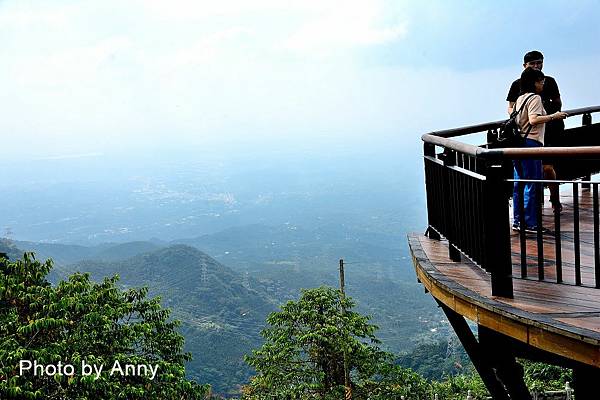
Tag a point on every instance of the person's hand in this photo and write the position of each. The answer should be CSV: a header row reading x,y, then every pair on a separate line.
x,y
559,115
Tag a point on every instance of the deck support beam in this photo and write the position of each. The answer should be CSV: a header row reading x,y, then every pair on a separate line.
x,y
509,332
494,358
478,358
585,377
500,353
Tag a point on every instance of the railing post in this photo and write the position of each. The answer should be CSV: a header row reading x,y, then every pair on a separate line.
x,y
429,149
586,120
497,232
449,158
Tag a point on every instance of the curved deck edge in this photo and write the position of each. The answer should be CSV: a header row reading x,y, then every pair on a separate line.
x,y
557,338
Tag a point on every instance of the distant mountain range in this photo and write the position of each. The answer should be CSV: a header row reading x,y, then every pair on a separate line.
x,y
223,308
67,254
258,244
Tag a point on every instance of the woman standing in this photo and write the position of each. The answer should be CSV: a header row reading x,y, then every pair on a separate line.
x,y
532,120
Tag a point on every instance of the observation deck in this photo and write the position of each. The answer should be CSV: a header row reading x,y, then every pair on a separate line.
x,y
532,295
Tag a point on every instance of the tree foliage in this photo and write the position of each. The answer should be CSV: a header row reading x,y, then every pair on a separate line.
x,y
79,320
540,377
303,354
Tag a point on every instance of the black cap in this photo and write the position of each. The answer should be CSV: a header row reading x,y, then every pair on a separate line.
x,y
532,56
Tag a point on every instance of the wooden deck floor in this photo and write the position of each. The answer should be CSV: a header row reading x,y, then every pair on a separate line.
x,y
561,319
567,246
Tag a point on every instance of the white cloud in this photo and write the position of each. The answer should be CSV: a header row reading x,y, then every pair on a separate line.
x,y
313,25
206,49
338,33
185,10
348,24
69,156
89,75
191,10
13,15
68,66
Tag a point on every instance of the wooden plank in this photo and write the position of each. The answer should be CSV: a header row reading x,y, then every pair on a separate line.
x,y
540,299
567,238
591,323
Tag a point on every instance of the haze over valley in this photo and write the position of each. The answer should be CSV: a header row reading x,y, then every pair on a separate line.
x,y
249,232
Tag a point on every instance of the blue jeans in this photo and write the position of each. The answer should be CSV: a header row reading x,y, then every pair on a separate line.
x,y
527,169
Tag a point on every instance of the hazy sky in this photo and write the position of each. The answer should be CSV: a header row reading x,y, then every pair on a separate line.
x,y
91,77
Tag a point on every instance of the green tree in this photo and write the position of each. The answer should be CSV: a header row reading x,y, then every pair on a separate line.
x,y
540,377
457,387
303,354
79,320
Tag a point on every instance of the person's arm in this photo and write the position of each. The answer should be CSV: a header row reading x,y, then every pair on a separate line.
x,y
535,119
535,109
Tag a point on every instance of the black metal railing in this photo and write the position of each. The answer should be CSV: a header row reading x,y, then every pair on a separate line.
x,y
468,204
459,201
574,232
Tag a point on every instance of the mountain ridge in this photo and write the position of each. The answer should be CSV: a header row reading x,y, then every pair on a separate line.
x,y
222,312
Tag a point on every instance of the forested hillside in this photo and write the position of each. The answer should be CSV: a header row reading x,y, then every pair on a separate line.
x,y
223,309
221,316
53,336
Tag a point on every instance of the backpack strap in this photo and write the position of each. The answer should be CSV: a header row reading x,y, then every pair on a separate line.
x,y
524,104
521,109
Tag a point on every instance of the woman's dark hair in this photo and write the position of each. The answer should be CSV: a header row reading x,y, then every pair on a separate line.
x,y
528,79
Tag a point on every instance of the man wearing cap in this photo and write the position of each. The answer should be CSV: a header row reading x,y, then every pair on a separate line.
x,y
552,103
550,94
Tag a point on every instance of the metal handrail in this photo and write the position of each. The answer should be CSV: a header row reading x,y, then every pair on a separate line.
x,y
442,138
467,189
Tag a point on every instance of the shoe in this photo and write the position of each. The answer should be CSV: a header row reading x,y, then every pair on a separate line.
x,y
534,229
516,227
